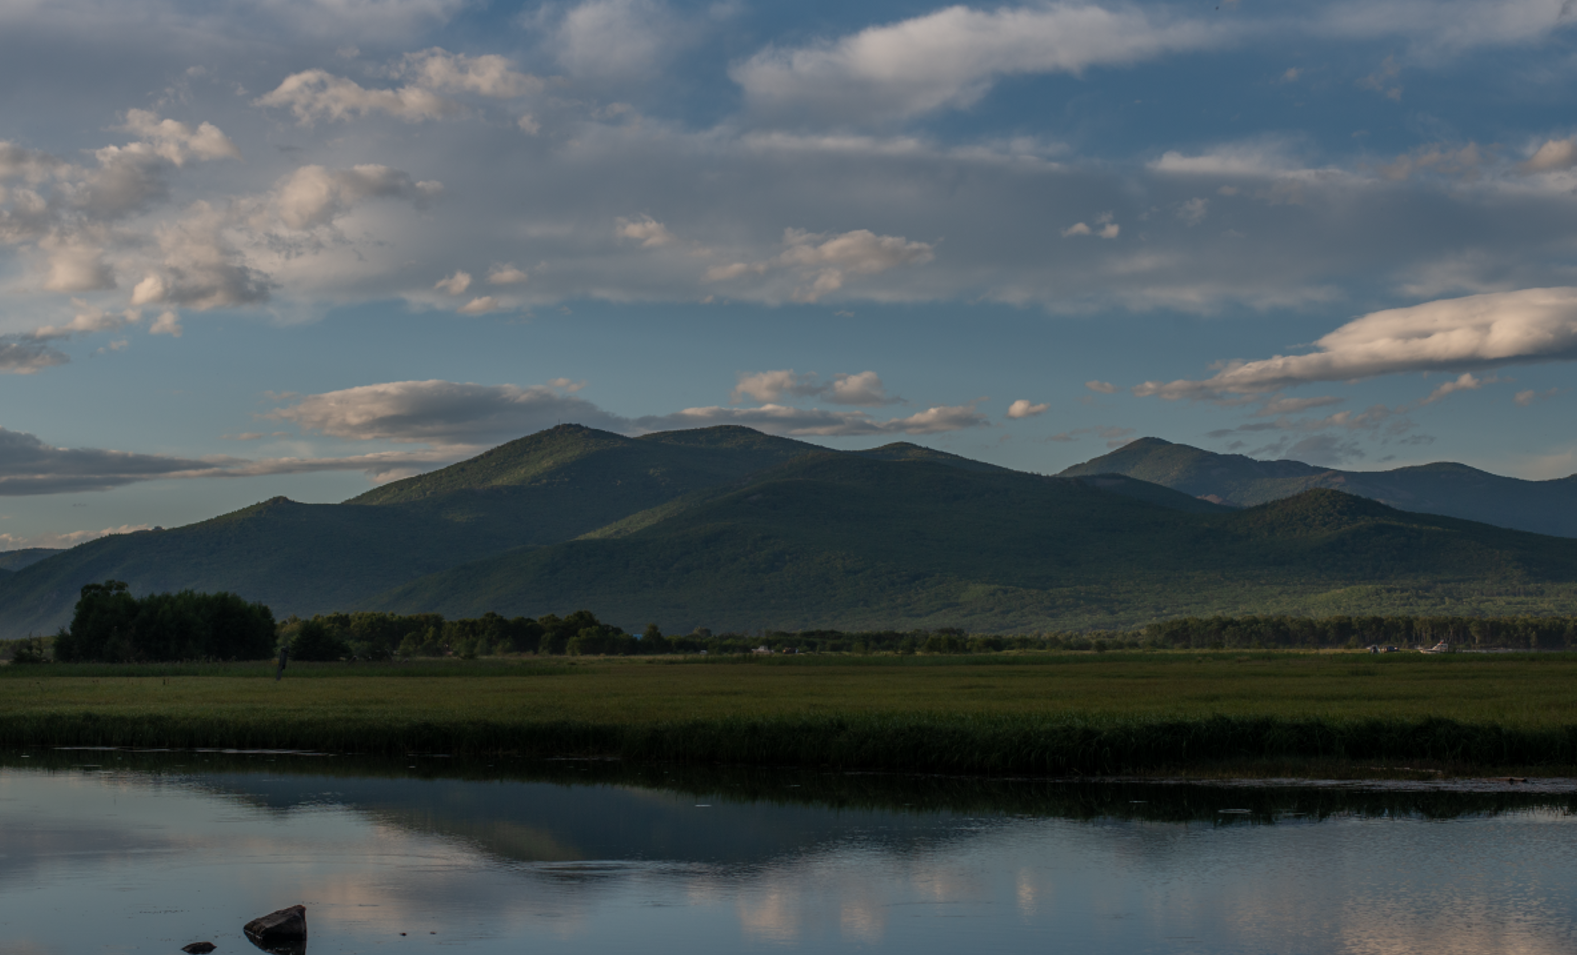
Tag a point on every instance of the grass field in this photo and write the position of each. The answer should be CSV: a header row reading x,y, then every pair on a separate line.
x,y
1046,713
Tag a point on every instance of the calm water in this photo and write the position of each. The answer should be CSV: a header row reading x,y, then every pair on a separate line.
x,y
122,852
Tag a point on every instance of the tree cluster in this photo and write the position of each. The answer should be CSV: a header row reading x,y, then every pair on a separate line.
x,y
1514,633
384,636
112,626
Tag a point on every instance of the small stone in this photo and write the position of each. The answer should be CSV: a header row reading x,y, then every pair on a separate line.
x,y
198,948
286,925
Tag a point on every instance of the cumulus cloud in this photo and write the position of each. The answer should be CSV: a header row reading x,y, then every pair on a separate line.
x,y
819,422
316,94
1553,156
647,231
22,355
1464,382
176,142
89,319
489,75
1529,396
1103,387
480,306
1496,328
1024,408
315,196
442,412
823,262
1107,230
616,39
455,284
506,275
75,264
201,269
865,388
952,57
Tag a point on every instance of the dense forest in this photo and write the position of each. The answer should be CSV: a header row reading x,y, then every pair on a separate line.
x,y
112,626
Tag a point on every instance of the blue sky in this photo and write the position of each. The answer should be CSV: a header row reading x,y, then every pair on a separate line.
x,y
301,246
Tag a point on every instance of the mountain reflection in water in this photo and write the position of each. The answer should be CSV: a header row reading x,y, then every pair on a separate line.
x,y
127,852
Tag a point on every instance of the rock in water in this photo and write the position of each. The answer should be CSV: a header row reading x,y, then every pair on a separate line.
x,y
198,948
286,925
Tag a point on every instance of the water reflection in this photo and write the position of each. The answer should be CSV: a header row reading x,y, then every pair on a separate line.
x,y
123,852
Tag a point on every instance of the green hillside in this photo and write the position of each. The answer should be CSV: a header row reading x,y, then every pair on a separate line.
x,y
730,528
293,557
545,488
839,540
25,557
1454,490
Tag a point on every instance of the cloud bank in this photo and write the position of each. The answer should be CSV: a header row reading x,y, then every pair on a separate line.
x,y
1475,331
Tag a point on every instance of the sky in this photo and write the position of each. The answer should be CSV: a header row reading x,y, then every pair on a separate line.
x,y
302,247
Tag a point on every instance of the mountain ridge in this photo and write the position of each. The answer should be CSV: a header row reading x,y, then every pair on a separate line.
x,y
1443,487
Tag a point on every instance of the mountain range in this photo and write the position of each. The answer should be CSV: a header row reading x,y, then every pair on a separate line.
x,y
729,528
1455,490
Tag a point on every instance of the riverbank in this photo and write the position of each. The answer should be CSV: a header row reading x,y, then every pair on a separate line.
x,y
1335,715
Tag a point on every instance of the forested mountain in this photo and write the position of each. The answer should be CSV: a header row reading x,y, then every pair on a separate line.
x,y
1454,490
17,559
729,528
833,540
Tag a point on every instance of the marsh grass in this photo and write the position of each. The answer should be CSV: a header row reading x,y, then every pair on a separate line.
x,y
1052,714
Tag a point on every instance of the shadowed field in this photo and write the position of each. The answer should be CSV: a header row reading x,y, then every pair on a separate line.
x,y
1051,713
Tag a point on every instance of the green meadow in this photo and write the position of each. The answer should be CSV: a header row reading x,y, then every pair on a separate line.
x,y
1267,712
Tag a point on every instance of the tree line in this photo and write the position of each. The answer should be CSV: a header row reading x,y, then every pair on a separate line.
x,y
110,625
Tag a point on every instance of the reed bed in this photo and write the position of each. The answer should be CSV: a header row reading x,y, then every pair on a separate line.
x,y
1097,715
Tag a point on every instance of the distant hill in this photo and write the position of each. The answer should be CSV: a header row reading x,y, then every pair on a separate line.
x,y
834,540
732,529
17,559
307,558
1454,490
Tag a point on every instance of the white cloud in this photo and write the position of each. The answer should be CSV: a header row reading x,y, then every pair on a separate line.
x,y
506,275
27,165
1464,382
823,261
616,39
480,306
1529,396
168,323
802,422
1109,230
865,388
176,142
317,94
315,196
90,319
489,75
201,269
1024,408
647,231
75,265
1103,387
1553,156
952,57
442,412
1492,329
455,284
